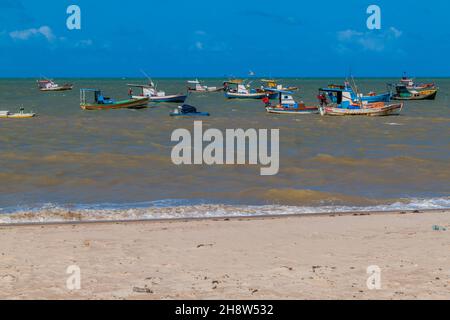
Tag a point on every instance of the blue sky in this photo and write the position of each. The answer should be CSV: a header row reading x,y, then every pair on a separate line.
x,y
224,38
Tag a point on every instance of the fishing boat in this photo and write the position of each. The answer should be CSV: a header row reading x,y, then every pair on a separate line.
x,y
237,89
48,85
273,84
104,103
188,111
345,106
287,105
349,92
196,86
411,85
20,115
151,92
402,92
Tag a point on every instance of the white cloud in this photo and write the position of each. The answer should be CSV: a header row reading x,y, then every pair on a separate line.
x,y
43,31
368,41
199,45
84,43
348,34
397,33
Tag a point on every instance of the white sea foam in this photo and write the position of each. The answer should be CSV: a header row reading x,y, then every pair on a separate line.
x,y
179,209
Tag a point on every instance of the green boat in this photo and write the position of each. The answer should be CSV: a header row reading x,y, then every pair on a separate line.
x,y
104,103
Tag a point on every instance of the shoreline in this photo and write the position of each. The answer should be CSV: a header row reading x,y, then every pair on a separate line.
x,y
262,258
227,218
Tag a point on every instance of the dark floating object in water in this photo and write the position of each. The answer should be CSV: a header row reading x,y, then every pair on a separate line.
x,y
187,110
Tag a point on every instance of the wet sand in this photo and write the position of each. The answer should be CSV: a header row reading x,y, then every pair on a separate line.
x,y
291,257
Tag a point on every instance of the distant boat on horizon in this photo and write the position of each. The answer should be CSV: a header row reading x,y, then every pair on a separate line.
x,y
47,85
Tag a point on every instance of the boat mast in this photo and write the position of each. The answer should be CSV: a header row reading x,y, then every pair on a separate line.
x,y
357,92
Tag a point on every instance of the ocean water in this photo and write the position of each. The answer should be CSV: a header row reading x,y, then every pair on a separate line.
x,y
69,164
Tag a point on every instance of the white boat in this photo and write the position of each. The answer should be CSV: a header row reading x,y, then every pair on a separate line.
x,y
150,91
48,85
20,115
198,87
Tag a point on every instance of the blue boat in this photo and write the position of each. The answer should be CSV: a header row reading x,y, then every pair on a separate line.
x,y
348,92
287,104
188,111
344,105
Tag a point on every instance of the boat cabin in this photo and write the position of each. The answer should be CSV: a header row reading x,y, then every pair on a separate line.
x,y
99,98
285,98
344,98
147,90
46,84
271,84
236,86
197,85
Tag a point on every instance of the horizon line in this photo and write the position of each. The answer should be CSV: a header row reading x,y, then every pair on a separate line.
x,y
218,77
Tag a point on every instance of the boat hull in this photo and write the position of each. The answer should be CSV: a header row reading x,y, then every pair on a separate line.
x,y
281,110
423,95
18,116
378,98
171,98
393,109
192,114
205,91
126,104
259,96
62,88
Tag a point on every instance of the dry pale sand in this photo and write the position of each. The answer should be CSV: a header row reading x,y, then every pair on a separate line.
x,y
320,257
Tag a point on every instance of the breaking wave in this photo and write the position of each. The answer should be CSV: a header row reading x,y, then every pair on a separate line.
x,y
187,209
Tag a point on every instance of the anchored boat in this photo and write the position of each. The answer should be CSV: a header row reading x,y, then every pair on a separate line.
x,y
104,103
407,89
348,92
273,84
287,105
48,85
411,85
198,87
20,115
150,91
237,89
403,93
345,106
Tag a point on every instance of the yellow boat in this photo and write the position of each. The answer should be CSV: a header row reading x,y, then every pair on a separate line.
x,y
20,115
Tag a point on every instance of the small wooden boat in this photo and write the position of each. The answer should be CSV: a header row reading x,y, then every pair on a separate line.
x,y
236,89
377,109
48,85
272,84
198,87
403,93
346,106
20,115
150,91
188,111
287,105
103,103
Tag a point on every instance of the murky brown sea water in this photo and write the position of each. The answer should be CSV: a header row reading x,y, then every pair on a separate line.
x,y
119,161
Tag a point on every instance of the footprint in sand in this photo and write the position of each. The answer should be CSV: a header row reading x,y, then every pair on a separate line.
x,y
8,278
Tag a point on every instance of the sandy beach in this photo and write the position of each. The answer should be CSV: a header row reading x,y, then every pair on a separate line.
x,y
294,257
